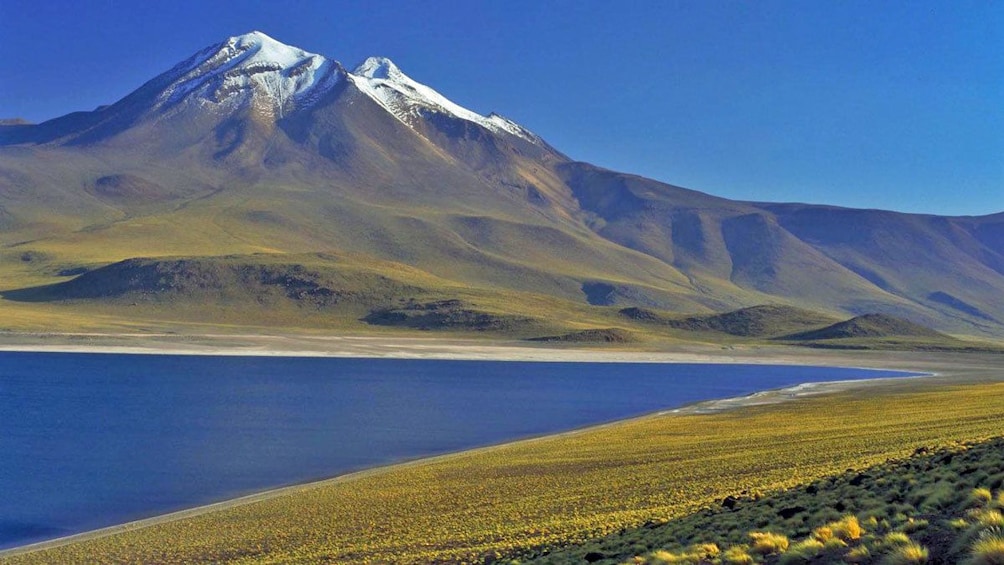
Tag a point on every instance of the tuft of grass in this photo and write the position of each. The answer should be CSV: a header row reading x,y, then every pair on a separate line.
x,y
896,539
834,544
737,555
987,518
663,557
958,524
939,497
859,554
911,553
847,529
988,550
804,551
823,534
980,497
706,551
914,525
767,543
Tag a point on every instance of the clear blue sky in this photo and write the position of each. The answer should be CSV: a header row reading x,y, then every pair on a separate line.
x,y
890,104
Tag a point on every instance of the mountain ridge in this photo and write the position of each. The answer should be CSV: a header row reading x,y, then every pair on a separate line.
x,y
274,79
251,146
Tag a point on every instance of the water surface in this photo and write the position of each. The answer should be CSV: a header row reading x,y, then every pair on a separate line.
x,y
92,440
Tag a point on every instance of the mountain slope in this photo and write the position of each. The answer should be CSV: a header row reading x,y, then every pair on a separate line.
x,y
251,146
817,256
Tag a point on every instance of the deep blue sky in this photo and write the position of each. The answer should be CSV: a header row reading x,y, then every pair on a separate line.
x,y
889,104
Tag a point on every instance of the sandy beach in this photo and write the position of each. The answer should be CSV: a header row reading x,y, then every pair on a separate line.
x,y
445,349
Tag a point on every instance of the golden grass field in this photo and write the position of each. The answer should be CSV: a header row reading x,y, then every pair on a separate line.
x,y
504,500
939,506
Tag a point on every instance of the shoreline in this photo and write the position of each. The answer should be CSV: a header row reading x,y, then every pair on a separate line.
x,y
363,347
794,392
381,347
760,398
495,352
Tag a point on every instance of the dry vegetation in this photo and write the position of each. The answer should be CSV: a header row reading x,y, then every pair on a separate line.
x,y
924,509
515,500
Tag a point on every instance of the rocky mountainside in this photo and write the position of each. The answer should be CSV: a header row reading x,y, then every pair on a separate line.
x,y
251,147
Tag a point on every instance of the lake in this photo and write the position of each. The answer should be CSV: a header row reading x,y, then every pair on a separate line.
x,y
92,440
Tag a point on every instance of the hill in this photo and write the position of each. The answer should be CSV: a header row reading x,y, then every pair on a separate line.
x,y
316,290
939,506
603,335
869,325
880,331
254,147
755,321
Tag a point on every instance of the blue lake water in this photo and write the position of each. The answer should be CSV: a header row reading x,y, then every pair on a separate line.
x,y
92,440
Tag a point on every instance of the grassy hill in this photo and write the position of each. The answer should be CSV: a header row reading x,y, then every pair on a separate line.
x,y
941,505
753,322
361,294
880,331
602,335
449,315
869,325
298,291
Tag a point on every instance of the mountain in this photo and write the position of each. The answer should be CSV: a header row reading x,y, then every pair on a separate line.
x,y
252,151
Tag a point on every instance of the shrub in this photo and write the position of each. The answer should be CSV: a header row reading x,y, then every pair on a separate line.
x,y
989,550
823,533
912,525
834,544
802,552
939,497
986,518
663,557
860,554
707,551
766,543
896,538
980,497
847,529
737,555
973,534
909,554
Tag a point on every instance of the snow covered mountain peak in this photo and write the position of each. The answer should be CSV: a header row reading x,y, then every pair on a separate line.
x,y
274,80
251,69
408,100
267,50
379,68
